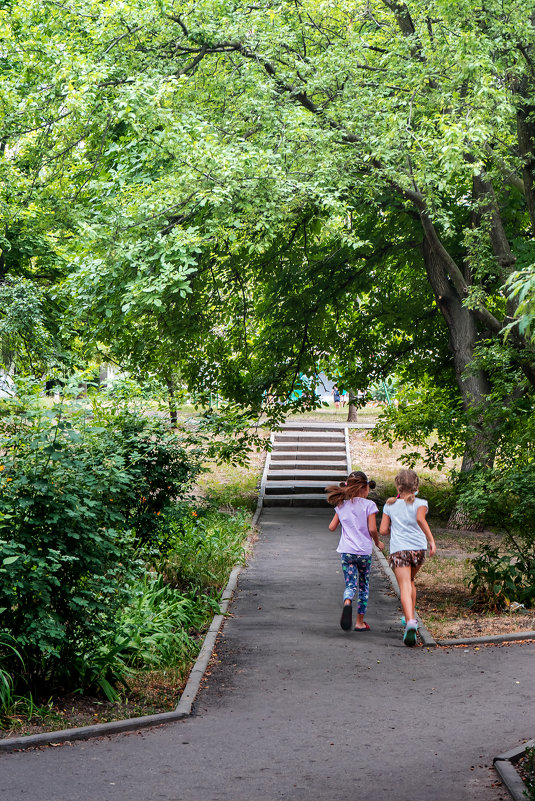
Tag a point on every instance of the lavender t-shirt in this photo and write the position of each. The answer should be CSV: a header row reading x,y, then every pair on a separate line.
x,y
353,517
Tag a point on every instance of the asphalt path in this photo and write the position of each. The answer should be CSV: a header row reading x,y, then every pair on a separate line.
x,y
295,708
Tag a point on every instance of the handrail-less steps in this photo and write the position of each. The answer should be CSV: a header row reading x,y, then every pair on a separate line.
x,y
303,461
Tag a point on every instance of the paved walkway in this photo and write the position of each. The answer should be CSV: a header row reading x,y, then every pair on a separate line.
x,y
295,708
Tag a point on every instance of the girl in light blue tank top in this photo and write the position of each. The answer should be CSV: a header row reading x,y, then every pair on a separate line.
x,y
410,536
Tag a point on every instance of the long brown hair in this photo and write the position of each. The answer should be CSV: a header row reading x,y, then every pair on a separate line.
x,y
353,487
406,481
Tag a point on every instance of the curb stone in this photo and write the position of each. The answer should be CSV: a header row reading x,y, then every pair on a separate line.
x,y
491,638
504,765
185,704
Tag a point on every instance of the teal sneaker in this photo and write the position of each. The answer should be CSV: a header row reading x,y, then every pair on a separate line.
x,y
409,637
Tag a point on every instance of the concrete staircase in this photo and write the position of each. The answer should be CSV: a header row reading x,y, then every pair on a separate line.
x,y
304,459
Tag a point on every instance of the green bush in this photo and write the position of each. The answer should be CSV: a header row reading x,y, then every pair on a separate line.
x,y
206,544
503,499
158,628
79,489
500,579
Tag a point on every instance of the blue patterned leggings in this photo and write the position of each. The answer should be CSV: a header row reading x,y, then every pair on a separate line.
x,y
357,572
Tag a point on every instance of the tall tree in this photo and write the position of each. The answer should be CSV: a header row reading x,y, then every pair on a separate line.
x,y
251,191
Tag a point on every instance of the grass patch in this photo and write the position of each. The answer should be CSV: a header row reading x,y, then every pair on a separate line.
x,y
329,414
231,487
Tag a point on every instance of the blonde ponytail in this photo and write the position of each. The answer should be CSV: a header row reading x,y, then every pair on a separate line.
x,y
406,482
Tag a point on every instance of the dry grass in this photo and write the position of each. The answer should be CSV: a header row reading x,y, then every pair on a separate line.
x,y
329,414
234,485
382,463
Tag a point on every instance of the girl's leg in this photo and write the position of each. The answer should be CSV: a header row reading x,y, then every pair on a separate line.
x,y
349,569
406,588
364,564
350,577
414,571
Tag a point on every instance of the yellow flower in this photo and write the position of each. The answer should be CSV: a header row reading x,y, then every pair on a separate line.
x,y
194,514
9,479
2,467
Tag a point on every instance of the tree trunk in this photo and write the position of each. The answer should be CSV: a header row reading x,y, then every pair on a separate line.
x,y
351,409
463,337
462,330
172,401
526,142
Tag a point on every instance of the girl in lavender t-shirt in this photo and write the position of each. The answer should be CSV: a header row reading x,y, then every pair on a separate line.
x,y
355,512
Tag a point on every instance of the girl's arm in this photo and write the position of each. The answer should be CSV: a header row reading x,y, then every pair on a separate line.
x,y
372,528
333,525
424,525
384,529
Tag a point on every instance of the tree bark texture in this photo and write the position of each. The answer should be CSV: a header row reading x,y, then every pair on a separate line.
x,y
352,409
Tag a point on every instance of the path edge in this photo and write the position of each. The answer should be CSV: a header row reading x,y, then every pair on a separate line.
x,y
185,704
504,766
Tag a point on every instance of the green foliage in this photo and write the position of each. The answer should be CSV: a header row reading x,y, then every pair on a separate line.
x,y
159,627
503,499
167,611
7,680
250,206
25,340
205,545
78,486
521,285
429,418
500,579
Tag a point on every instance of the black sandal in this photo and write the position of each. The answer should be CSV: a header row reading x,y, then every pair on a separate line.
x,y
347,615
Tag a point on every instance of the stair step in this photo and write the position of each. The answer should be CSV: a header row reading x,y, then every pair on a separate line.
x,y
295,500
292,487
308,447
328,465
310,457
309,436
299,476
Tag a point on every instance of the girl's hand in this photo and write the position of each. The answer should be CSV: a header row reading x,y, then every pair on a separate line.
x,y
380,545
432,548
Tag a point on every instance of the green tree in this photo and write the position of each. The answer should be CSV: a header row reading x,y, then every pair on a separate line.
x,y
250,192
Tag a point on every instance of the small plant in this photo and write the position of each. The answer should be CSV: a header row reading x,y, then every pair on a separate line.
x,y
7,682
500,579
528,772
206,544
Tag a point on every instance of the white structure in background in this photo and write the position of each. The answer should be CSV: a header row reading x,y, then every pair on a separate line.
x,y
324,388
108,373
7,386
